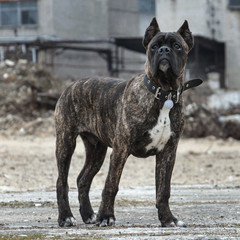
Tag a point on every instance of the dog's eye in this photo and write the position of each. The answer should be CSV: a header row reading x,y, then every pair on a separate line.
x,y
177,46
154,46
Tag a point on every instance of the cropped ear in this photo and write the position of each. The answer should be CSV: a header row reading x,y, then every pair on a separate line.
x,y
186,34
150,32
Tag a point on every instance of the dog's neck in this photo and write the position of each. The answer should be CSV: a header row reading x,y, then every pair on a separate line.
x,y
167,81
159,93
162,95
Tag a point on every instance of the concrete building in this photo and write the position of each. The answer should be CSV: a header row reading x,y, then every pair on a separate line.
x,y
217,20
79,20
61,19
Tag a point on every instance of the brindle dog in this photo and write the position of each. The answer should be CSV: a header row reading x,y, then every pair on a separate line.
x,y
129,118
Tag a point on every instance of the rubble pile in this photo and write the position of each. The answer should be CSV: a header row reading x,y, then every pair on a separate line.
x,y
212,113
28,94
21,86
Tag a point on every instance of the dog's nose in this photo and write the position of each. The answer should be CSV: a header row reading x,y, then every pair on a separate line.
x,y
164,49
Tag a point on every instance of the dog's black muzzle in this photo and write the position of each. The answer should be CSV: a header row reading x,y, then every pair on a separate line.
x,y
164,51
164,56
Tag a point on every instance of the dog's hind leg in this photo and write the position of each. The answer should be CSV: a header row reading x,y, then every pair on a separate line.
x,y
95,154
65,146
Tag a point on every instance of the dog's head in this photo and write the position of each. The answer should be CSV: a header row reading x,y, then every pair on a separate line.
x,y
167,54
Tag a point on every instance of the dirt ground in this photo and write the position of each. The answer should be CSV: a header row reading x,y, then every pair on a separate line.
x,y
28,163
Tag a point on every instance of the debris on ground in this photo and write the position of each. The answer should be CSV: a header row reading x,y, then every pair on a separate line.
x,y
212,112
28,94
23,87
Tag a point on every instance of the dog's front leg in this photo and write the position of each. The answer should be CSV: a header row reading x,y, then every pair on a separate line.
x,y
164,166
105,215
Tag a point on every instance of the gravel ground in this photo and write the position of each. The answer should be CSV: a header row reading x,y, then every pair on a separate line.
x,y
211,212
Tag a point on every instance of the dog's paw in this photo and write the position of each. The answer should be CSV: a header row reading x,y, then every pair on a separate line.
x,y
106,222
176,223
67,222
181,224
92,219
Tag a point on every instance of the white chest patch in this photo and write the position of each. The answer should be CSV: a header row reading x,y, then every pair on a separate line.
x,y
161,132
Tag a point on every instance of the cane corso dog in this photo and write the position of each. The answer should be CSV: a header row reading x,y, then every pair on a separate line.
x,y
142,116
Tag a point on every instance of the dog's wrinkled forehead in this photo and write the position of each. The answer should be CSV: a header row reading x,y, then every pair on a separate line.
x,y
168,38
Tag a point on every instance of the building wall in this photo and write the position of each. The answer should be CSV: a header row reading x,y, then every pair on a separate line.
x,y
171,14
45,18
123,18
84,19
80,20
207,18
95,19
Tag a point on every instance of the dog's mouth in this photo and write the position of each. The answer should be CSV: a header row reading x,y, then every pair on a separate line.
x,y
166,76
164,65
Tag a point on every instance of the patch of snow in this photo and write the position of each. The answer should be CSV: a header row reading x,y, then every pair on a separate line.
x,y
231,118
224,99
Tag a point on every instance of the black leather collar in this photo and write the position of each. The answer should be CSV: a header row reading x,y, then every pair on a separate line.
x,y
170,95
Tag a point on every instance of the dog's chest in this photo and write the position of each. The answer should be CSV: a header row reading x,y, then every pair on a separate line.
x,y
161,132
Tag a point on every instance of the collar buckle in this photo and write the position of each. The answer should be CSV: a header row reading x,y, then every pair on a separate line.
x,y
158,92
169,97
